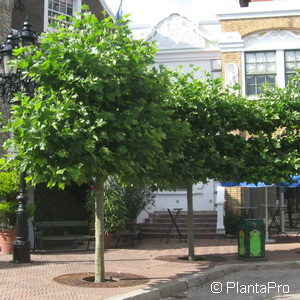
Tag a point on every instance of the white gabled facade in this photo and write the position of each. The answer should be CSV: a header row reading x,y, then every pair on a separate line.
x,y
213,47
183,43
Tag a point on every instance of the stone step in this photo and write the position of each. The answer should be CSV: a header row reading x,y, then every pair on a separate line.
x,y
183,214
205,224
181,220
182,230
180,225
158,235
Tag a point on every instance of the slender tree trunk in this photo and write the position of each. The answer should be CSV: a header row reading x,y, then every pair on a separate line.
x,y
99,230
190,223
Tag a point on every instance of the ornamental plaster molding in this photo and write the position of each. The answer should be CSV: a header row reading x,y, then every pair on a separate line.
x,y
177,32
275,39
230,41
231,74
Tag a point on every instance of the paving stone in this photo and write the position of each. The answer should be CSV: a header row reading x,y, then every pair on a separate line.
x,y
35,280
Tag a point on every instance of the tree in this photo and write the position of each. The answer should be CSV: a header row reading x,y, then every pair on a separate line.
x,y
98,111
280,109
231,138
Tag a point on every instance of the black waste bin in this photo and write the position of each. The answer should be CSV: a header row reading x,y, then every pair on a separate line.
x,y
251,239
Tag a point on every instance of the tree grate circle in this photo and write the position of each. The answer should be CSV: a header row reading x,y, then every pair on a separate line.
x,y
112,280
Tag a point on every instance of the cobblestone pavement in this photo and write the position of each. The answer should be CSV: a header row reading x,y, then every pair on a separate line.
x,y
35,280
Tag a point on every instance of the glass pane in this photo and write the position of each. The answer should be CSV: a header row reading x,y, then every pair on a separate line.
x,y
290,66
251,68
261,68
271,68
250,90
62,8
250,58
260,57
289,55
55,6
250,80
261,80
270,79
259,89
297,54
69,11
270,57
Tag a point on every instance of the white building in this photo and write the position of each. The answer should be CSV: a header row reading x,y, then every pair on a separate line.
x,y
248,42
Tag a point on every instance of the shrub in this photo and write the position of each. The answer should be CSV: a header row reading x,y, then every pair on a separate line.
x,y
122,203
9,187
232,221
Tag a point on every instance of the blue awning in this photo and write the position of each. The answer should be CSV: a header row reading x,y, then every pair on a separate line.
x,y
243,184
295,182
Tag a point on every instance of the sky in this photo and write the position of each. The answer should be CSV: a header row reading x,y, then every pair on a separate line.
x,y
150,12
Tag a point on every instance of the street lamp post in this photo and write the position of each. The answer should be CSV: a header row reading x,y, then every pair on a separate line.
x,y
10,83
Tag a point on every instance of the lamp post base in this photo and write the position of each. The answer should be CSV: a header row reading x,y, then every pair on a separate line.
x,y
21,252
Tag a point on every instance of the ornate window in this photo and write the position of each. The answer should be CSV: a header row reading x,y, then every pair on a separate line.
x,y
260,69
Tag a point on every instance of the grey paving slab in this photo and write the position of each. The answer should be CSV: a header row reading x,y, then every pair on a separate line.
x,y
281,283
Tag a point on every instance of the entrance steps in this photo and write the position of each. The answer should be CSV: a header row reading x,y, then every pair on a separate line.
x,y
205,224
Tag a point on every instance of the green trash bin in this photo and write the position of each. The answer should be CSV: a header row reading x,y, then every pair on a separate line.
x,y
251,239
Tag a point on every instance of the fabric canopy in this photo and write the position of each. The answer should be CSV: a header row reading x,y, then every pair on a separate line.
x,y
295,182
242,184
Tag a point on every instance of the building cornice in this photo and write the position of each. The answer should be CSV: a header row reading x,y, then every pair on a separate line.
x,y
259,12
181,55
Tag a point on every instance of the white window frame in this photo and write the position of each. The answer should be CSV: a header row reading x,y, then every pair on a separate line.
x,y
76,8
285,70
258,74
280,69
274,40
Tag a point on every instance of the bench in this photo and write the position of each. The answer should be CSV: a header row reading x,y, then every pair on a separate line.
x,y
61,231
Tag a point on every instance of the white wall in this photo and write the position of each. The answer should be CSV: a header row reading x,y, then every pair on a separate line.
x,y
203,195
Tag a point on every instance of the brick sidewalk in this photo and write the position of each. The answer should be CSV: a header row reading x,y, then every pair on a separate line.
x,y
35,281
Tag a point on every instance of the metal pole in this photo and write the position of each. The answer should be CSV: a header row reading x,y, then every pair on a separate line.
x,y
10,83
266,214
282,217
21,249
267,239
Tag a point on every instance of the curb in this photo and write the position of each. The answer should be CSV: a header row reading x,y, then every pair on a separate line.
x,y
162,290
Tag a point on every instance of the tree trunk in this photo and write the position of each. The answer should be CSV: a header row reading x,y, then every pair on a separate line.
x,y
99,230
190,223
